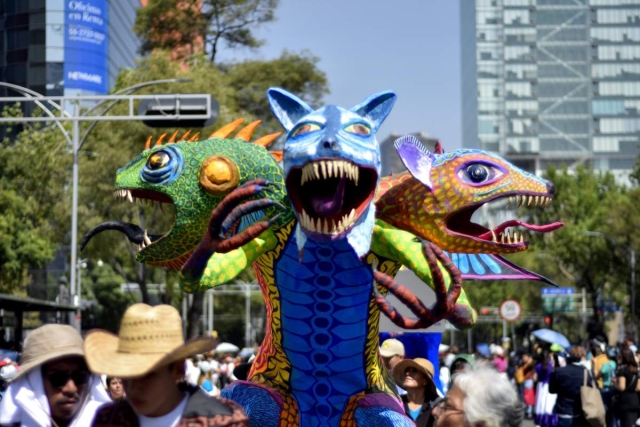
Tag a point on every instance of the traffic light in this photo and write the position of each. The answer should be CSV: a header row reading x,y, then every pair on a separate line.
x,y
547,320
183,106
487,311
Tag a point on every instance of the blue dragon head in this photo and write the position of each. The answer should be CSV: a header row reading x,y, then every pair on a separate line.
x,y
332,165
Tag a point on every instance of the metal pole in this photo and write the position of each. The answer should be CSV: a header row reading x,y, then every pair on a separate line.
x,y
204,313
632,263
504,331
247,313
513,337
184,314
210,312
584,309
74,213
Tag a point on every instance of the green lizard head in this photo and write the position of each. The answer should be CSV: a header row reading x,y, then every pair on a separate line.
x,y
193,176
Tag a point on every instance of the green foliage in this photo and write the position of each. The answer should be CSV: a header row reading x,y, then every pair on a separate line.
x,y
297,73
586,201
194,24
35,170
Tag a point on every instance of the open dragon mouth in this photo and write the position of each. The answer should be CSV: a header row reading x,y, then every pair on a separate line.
x,y
330,195
145,197
505,234
134,233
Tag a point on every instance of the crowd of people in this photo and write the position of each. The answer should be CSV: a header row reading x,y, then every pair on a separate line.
x,y
148,375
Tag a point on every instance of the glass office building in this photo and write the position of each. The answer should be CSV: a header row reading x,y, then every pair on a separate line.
x,y
69,47
553,81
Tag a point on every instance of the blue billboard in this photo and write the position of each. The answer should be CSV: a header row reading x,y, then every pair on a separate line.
x,y
85,45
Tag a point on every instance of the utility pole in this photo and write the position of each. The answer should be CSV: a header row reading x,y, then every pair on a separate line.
x,y
204,114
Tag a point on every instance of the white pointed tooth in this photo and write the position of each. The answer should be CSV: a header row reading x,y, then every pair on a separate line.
x,y
330,169
345,221
129,196
508,237
530,200
352,215
304,176
502,238
494,237
339,169
146,238
515,237
340,226
508,202
323,168
536,201
333,226
522,237
357,174
316,171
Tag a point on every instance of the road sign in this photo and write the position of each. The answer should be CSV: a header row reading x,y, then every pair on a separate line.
x,y
510,310
558,291
558,300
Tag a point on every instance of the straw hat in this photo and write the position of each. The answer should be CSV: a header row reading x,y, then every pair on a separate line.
x,y
48,343
149,337
420,364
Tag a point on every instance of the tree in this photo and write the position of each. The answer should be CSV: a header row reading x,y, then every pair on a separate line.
x,y
585,200
188,27
297,73
35,171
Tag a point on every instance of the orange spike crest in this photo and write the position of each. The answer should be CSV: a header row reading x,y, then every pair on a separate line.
x,y
226,130
246,132
266,140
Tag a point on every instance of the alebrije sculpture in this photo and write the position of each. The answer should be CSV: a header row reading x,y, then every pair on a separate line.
x,y
328,332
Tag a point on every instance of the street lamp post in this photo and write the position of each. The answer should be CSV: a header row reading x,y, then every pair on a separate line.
x,y
76,143
632,265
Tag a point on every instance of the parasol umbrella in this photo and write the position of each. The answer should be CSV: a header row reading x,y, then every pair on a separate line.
x,y
552,337
227,347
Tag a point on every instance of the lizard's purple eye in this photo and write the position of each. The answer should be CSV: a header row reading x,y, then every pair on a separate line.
x,y
479,173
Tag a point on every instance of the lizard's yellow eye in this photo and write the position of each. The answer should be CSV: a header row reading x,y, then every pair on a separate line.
x,y
358,129
219,175
305,128
158,160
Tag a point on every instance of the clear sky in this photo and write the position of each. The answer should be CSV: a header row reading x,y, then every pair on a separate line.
x,y
366,46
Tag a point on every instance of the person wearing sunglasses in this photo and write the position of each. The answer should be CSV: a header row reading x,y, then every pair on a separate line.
x,y
479,397
53,387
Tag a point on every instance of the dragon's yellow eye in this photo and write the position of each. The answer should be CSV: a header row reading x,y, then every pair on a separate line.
x,y
158,160
359,129
305,128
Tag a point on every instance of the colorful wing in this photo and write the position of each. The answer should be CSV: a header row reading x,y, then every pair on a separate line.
x,y
492,267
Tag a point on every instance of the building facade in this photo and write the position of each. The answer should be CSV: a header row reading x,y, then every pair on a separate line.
x,y
553,81
69,47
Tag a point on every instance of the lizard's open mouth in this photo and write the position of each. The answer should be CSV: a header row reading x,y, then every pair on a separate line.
x,y
505,234
134,233
330,195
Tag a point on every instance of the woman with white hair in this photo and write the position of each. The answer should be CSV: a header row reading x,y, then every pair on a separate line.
x,y
480,397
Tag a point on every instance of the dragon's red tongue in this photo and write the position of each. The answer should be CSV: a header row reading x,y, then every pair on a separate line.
x,y
514,223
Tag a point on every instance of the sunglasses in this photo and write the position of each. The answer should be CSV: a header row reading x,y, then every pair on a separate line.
x,y
60,379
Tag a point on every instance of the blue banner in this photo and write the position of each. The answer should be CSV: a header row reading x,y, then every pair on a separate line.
x,y
85,45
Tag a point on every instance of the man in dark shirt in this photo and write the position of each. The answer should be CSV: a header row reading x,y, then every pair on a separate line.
x,y
566,383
